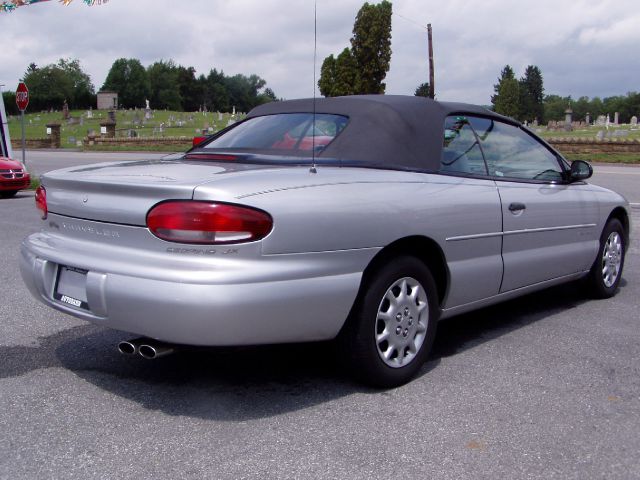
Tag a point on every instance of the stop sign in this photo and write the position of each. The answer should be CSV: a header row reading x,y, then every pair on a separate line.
x,y
22,96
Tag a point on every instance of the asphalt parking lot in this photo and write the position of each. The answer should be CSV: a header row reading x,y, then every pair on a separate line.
x,y
547,386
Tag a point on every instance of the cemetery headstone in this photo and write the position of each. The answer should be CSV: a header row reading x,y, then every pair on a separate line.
x,y
568,114
634,121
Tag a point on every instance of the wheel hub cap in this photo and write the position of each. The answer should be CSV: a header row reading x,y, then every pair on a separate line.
x,y
401,325
611,259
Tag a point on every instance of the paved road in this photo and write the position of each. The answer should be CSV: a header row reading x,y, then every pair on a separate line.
x,y
547,386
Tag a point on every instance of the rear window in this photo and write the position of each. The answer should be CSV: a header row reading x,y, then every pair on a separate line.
x,y
294,133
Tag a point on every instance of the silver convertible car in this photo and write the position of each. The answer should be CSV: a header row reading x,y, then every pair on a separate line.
x,y
363,219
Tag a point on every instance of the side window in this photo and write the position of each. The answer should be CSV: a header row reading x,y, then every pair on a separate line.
x,y
461,152
511,152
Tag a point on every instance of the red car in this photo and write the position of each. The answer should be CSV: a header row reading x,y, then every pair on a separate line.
x,y
13,177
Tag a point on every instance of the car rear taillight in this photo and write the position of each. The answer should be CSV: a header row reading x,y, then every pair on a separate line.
x,y
207,222
197,141
41,201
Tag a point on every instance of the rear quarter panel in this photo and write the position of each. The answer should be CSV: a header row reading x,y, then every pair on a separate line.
x,y
367,209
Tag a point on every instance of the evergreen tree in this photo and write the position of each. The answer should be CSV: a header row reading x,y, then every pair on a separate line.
x,y
532,95
506,73
423,90
506,99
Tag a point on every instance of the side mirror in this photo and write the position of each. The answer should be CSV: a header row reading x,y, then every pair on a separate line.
x,y
580,170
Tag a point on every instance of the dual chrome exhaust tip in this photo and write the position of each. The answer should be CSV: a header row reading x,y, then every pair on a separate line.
x,y
146,348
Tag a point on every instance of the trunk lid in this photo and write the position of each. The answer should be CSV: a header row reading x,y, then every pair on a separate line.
x,y
124,192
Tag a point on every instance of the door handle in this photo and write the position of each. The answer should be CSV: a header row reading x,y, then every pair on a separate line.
x,y
517,207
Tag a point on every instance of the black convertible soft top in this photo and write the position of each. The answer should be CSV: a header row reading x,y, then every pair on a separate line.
x,y
393,131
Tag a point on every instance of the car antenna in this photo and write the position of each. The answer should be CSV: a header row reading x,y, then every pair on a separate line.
x,y
313,124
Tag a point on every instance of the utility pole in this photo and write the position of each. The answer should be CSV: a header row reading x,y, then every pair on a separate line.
x,y
432,80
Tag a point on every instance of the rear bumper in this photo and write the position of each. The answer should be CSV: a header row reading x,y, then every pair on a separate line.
x,y
307,299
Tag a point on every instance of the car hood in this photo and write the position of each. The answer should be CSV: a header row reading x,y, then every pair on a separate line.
x,y
8,164
124,192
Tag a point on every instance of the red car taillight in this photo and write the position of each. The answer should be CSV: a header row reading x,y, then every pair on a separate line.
x,y
41,201
207,222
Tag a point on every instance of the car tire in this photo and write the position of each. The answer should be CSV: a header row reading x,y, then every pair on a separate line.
x,y
606,272
8,193
391,327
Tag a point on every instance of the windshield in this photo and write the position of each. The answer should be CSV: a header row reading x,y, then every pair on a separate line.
x,y
287,133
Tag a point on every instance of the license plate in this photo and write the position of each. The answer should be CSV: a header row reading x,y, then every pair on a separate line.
x,y
71,287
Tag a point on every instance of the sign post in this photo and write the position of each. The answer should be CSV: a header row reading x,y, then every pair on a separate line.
x,y
22,100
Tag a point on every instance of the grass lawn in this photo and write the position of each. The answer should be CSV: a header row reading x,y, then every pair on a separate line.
x,y
162,124
592,131
605,157
183,124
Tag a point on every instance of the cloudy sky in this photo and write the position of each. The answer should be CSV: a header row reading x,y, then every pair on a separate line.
x,y
583,47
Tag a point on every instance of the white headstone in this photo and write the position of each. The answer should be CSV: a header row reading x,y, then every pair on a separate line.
x,y
634,121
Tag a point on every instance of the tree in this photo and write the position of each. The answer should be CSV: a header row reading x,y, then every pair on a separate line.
x,y
347,77
243,91
52,85
555,106
82,90
216,96
507,97
363,68
371,46
423,90
506,73
163,82
129,78
532,95
191,91
580,108
327,79
267,96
